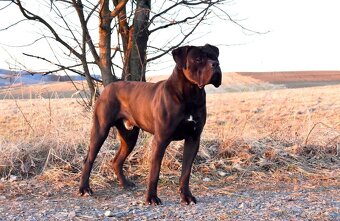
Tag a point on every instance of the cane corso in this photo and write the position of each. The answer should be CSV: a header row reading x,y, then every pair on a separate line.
x,y
174,109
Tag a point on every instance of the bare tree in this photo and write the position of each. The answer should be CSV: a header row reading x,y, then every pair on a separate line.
x,y
124,27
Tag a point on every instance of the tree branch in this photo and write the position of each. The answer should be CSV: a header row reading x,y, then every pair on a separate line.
x,y
165,11
177,22
8,27
30,16
78,5
61,67
6,5
25,45
67,25
206,11
238,24
91,12
118,8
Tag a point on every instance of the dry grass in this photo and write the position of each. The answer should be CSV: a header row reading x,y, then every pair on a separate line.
x,y
274,134
295,131
40,133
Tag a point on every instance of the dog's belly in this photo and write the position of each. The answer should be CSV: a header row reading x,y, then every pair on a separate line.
x,y
137,117
130,123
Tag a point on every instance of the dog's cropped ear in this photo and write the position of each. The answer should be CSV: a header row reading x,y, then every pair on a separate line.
x,y
180,56
213,49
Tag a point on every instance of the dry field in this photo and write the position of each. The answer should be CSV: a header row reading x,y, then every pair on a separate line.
x,y
296,79
55,90
263,132
294,76
254,138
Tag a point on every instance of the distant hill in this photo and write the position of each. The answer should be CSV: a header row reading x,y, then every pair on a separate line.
x,y
296,79
25,85
16,78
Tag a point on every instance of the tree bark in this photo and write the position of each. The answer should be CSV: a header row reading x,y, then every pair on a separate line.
x,y
105,43
89,81
135,56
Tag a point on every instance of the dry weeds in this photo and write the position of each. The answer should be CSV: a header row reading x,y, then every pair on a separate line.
x,y
283,135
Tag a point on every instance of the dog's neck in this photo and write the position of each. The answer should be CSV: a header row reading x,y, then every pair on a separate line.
x,y
181,85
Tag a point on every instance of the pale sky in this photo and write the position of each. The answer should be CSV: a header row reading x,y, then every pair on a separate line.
x,y
299,35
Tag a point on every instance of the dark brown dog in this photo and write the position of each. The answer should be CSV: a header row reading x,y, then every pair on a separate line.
x,y
174,109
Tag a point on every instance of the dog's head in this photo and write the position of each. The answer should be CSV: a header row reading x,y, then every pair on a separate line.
x,y
200,65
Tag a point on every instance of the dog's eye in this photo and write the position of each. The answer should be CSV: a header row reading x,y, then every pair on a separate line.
x,y
198,60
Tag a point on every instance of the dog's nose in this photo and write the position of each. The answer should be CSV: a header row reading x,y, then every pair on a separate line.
x,y
215,64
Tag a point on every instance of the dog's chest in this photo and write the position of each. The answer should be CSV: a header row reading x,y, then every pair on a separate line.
x,y
190,120
189,126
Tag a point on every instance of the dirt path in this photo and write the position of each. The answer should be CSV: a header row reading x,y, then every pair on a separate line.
x,y
33,201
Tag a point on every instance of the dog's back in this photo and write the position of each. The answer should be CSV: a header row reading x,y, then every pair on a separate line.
x,y
133,101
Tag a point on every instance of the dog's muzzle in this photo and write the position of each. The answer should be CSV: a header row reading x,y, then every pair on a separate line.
x,y
216,78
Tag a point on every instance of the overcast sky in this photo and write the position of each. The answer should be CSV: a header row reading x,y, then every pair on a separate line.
x,y
303,35
297,35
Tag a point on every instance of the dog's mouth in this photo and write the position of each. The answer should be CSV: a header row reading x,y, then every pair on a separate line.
x,y
216,78
201,86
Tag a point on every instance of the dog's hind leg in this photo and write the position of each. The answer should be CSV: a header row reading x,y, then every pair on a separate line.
x,y
99,132
128,139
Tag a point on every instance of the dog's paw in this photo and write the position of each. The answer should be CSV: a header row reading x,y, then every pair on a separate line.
x,y
153,200
188,199
84,190
128,185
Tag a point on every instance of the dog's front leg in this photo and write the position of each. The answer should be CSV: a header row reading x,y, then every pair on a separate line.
x,y
191,146
158,150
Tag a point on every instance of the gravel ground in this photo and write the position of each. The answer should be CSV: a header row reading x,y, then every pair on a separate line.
x,y
22,200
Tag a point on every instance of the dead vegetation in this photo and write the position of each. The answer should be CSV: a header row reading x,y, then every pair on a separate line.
x,y
282,135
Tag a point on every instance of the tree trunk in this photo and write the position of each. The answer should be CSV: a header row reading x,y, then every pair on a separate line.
x,y
105,43
138,39
89,82
78,5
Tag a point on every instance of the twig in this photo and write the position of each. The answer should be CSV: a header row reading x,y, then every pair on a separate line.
x,y
206,11
321,123
46,161
61,67
23,115
31,16
336,137
50,109
12,25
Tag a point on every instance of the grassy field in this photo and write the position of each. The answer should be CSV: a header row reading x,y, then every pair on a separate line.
x,y
278,134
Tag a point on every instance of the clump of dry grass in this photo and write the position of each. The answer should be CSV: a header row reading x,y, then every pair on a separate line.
x,y
294,131
39,133
277,134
